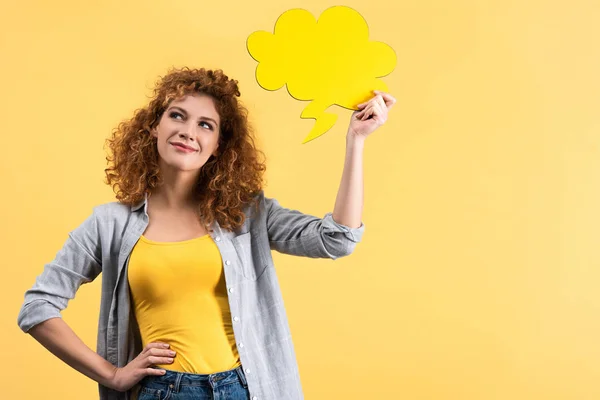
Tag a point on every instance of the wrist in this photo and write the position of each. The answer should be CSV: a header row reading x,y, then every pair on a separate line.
x,y
354,141
109,377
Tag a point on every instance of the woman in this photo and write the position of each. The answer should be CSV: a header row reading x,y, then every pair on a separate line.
x,y
191,307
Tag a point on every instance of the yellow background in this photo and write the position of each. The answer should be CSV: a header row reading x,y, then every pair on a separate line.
x,y
478,274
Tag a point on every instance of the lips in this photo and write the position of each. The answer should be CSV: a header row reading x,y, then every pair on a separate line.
x,y
183,146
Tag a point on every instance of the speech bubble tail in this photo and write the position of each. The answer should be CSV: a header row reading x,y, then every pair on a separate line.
x,y
322,124
323,121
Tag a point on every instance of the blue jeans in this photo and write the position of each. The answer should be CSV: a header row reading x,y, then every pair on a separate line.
x,y
227,385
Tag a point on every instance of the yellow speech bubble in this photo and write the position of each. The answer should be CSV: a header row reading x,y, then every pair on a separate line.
x,y
329,61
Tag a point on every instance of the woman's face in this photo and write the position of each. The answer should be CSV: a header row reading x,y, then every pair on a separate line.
x,y
188,133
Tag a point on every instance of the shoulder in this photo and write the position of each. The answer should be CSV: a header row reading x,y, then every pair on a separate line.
x,y
256,210
112,211
259,205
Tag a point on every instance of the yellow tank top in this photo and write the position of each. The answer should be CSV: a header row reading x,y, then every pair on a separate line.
x,y
179,297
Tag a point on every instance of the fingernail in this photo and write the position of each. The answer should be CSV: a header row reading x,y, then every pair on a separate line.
x,y
165,345
172,353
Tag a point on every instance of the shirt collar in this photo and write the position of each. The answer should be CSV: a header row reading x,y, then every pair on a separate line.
x,y
143,202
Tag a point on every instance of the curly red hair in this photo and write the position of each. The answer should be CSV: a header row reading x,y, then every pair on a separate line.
x,y
227,183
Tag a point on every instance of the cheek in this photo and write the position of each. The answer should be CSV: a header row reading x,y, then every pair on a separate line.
x,y
216,139
162,145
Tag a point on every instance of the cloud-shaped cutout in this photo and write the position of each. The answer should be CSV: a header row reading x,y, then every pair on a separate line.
x,y
329,61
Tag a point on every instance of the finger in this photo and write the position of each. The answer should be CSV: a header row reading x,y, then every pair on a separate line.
x,y
380,113
367,113
158,345
381,102
388,98
372,111
378,99
366,103
155,345
381,109
161,353
155,371
362,114
153,360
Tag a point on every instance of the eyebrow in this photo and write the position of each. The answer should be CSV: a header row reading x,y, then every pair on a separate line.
x,y
185,112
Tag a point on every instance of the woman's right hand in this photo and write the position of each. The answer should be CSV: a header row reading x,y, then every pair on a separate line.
x,y
154,353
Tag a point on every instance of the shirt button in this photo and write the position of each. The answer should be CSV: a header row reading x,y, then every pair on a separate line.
x,y
227,262
255,398
230,290
236,319
240,345
247,370
218,238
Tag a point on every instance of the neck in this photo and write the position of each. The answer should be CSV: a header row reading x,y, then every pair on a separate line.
x,y
177,190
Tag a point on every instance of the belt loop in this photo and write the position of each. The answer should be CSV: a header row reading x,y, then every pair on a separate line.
x,y
178,382
242,376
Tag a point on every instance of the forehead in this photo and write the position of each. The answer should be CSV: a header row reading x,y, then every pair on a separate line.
x,y
197,105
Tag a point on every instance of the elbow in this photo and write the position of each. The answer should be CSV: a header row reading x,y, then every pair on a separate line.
x,y
339,240
36,312
342,249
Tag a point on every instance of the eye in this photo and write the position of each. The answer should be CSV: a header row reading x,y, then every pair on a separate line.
x,y
174,114
206,125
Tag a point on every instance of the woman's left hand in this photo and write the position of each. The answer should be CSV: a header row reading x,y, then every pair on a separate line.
x,y
370,115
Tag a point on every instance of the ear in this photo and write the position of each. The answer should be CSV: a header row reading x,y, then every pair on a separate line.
x,y
154,132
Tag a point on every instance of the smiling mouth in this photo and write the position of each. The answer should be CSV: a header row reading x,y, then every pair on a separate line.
x,y
182,148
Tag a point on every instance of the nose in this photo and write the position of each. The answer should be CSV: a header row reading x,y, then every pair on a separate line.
x,y
188,132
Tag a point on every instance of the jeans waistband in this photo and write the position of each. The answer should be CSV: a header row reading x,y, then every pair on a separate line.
x,y
178,379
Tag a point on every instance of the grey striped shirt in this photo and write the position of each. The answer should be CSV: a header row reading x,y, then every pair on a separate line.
x,y
104,241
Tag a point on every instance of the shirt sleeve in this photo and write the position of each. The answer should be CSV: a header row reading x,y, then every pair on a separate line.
x,y
76,263
293,232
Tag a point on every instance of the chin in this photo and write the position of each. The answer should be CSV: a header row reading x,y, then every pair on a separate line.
x,y
182,166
